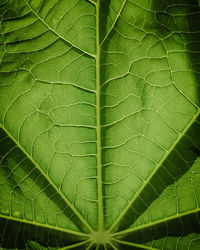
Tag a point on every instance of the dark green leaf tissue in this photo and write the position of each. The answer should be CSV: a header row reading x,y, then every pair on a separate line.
x,y
100,124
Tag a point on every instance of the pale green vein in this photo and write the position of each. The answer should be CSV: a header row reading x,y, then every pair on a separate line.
x,y
164,220
98,105
92,2
57,34
90,245
121,216
75,245
105,247
134,244
66,83
117,17
69,204
37,224
97,247
113,246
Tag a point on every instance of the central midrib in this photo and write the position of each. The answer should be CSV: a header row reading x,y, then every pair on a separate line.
x,y
98,103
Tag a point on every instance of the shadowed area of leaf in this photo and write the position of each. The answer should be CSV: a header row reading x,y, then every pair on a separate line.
x,y
169,18
36,211
180,160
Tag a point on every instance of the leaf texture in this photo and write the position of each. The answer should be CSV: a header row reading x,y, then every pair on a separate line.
x,y
100,124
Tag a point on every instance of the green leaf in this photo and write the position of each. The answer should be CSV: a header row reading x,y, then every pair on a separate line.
x,y
100,124
192,240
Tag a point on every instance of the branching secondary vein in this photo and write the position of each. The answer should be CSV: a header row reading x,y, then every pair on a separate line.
x,y
61,37
131,202
75,211
155,223
37,224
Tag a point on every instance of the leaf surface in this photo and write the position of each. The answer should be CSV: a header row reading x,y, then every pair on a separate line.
x,y
99,111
